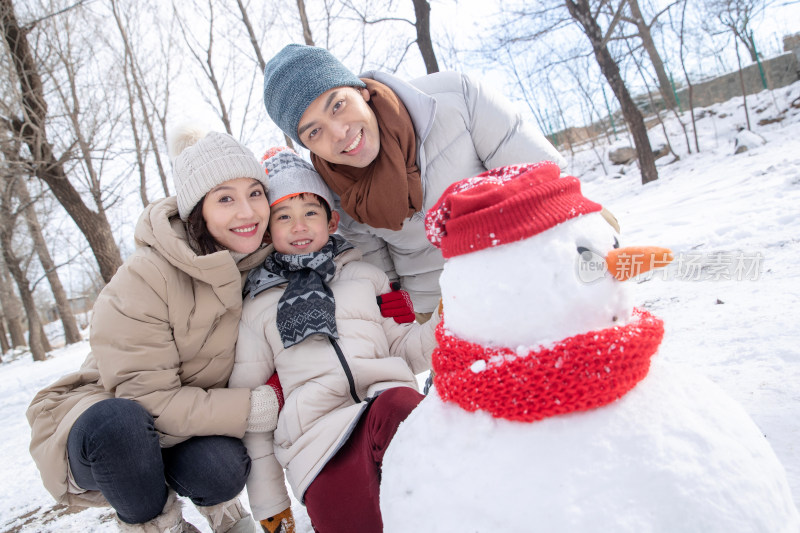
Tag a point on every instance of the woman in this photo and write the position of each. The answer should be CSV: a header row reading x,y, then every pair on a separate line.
x,y
148,413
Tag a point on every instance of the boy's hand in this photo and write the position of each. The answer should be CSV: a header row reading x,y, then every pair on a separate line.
x,y
282,522
396,304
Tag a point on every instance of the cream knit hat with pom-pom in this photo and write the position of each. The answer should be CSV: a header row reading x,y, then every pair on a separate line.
x,y
201,161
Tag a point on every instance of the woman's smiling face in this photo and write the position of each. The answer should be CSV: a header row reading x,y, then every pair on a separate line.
x,y
236,214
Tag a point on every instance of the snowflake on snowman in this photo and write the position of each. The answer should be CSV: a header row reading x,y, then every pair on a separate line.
x,y
550,409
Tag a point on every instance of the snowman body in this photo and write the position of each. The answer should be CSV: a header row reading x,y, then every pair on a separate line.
x,y
674,453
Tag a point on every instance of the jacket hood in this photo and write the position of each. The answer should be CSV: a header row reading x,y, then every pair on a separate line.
x,y
160,228
421,107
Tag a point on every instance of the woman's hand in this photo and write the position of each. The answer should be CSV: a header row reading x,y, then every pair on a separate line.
x,y
264,409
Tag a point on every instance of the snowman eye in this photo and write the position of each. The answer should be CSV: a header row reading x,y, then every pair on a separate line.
x,y
616,243
582,250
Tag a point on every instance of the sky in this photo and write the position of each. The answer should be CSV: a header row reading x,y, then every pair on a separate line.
x,y
732,319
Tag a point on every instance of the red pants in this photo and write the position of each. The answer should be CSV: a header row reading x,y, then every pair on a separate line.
x,y
345,496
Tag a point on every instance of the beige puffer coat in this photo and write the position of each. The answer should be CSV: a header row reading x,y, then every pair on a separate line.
x,y
320,409
463,129
163,333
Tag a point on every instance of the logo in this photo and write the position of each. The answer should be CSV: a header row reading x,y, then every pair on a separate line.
x,y
590,265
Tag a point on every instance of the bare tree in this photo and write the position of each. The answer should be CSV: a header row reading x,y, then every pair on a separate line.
x,y
137,91
742,86
307,37
206,61
138,143
71,332
644,32
262,65
582,13
37,342
371,14
653,104
737,16
31,127
690,87
422,10
12,307
4,346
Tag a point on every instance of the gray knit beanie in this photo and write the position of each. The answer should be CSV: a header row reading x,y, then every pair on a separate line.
x,y
202,161
295,77
290,175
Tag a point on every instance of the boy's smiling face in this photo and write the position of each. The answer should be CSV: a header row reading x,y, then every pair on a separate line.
x,y
341,128
299,225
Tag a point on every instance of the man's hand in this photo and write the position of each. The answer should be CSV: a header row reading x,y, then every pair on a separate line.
x,y
396,304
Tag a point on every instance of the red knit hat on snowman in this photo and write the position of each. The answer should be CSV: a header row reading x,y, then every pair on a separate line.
x,y
506,205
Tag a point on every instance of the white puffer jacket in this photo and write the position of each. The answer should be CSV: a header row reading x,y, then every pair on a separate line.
x,y
325,395
462,129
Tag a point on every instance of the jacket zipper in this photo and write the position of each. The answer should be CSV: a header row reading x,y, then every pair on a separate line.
x,y
346,367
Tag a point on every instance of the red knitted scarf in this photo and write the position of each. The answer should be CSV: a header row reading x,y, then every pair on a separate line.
x,y
576,374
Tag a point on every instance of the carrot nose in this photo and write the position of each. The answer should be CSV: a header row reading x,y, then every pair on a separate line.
x,y
625,263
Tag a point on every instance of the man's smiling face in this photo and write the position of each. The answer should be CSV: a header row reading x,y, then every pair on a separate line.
x,y
341,128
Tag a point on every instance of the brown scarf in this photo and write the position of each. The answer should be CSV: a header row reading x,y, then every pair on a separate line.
x,y
388,190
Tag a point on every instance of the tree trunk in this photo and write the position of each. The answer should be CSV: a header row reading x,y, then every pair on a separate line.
x,y
307,37
34,323
4,346
13,264
741,85
71,332
655,58
742,37
581,12
690,87
137,143
422,10
12,307
32,130
262,65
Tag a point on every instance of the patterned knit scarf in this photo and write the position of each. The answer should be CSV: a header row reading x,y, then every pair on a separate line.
x,y
307,305
576,374
388,190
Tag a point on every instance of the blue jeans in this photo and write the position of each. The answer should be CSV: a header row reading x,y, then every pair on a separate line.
x,y
113,447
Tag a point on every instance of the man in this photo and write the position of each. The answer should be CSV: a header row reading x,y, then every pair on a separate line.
x,y
389,148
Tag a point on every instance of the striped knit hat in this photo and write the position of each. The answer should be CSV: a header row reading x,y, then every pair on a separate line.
x,y
290,175
504,205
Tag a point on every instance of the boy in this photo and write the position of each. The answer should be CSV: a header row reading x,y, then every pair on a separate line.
x,y
389,148
347,373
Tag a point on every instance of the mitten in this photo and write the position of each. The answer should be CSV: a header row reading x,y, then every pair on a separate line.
x,y
397,304
275,383
282,522
264,409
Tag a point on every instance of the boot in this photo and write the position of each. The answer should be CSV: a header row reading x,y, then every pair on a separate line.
x,y
169,521
228,517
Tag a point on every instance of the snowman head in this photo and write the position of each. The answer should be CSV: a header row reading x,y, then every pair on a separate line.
x,y
527,259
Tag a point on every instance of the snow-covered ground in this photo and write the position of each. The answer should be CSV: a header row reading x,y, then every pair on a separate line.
x,y
729,301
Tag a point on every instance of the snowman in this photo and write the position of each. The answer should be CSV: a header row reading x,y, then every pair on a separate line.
x,y
551,410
